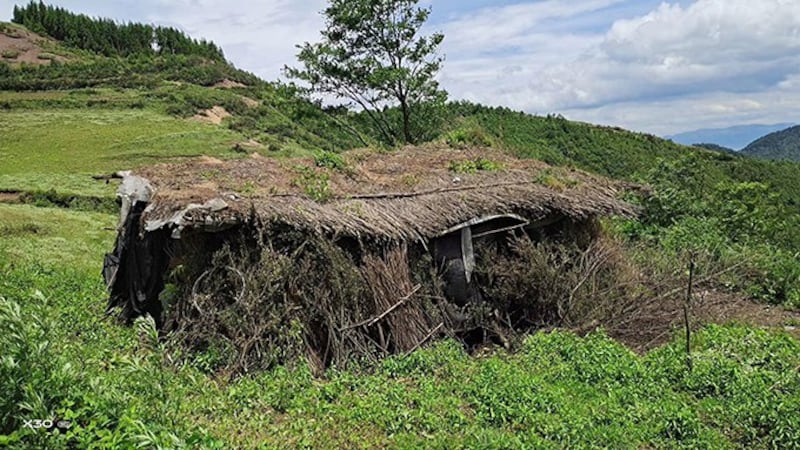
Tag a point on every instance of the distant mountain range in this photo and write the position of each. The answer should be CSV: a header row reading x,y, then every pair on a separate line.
x,y
784,144
736,137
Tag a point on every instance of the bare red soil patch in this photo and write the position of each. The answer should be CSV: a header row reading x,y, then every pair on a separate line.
x,y
213,115
19,46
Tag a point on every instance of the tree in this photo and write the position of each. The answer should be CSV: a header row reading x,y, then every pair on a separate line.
x,y
372,54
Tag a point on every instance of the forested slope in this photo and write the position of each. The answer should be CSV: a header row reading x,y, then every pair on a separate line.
x,y
780,145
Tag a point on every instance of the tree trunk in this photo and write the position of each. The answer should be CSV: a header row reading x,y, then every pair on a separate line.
x,y
406,121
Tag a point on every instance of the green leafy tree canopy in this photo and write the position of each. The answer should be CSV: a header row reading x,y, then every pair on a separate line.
x,y
373,55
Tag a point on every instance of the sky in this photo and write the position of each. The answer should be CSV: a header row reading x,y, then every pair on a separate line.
x,y
660,67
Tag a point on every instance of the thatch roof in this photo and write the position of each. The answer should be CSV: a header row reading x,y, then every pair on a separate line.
x,y
405,195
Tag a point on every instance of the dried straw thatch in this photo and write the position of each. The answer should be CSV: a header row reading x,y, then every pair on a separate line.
x,y
408,195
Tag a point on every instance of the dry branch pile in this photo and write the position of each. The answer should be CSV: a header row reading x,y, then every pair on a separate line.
x,y
272,296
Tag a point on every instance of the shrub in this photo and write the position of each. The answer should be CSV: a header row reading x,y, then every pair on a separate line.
x,y
474,166
553,282
772,275
259,307
468,137
330,160
10,53
315,183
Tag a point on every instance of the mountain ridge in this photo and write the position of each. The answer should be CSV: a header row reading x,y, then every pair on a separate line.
x,y
779,145
734,137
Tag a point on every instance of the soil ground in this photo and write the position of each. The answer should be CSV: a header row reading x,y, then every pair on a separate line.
x,y
18,46
655,325
9,197
213,115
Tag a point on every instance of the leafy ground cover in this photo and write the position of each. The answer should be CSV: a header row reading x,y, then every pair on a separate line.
x,y
559,391
119,386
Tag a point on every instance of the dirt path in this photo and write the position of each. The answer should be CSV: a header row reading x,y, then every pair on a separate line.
x,y
10,197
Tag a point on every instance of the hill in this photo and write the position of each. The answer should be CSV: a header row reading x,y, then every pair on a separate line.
x,y
21,46
780,145
735,137
610,151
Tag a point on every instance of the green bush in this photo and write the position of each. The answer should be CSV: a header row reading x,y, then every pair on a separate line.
x,y
475,166
468,137
773,275
9,53
330,160
315,183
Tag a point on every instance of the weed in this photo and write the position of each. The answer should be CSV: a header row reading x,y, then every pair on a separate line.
x,y
330,160
209,174
549,178
315,183
475,166
248,188
410,180
468,137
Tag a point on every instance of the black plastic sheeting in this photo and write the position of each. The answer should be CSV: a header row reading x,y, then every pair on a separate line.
x,y
134,271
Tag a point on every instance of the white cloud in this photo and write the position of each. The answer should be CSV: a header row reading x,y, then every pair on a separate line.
x,y
711,110
257,35
709,31
514,26
673,59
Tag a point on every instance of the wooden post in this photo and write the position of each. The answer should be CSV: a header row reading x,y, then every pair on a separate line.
x,y
686,307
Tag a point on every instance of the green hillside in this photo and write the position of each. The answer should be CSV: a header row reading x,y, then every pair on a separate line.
x,y
717,148
105,100
780,145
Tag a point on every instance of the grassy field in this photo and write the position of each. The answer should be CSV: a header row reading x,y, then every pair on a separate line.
x,y
54,236
61,149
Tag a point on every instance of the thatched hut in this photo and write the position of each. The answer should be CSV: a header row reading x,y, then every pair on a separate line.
x,y
364,253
